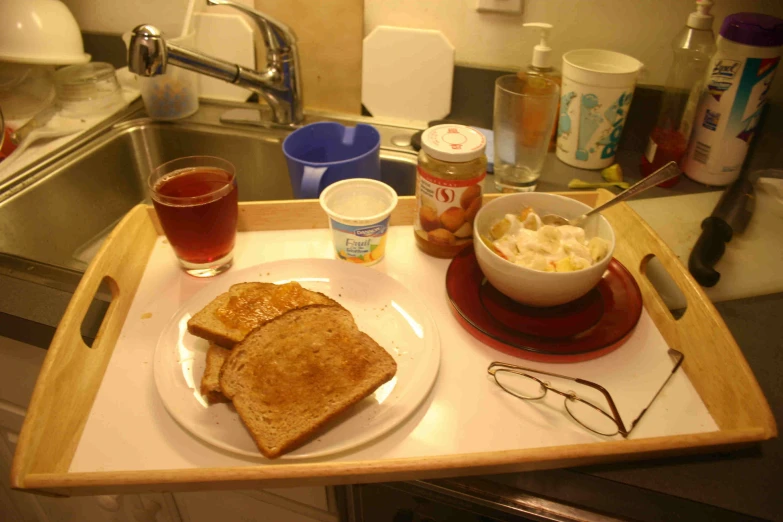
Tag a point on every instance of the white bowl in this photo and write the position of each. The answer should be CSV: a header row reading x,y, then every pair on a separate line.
x,y
534,287
39,32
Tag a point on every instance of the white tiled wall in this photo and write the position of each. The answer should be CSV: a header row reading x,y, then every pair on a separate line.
x,y
641,28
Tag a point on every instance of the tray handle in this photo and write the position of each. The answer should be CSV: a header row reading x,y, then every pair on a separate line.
x,y
699,332
72,372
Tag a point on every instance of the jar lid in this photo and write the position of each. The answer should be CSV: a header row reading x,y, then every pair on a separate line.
x,y
753,29
453,143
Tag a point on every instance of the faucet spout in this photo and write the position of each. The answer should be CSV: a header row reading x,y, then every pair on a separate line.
x,y
147,54
279,83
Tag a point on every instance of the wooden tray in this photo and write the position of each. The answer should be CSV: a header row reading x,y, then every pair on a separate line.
x,y
72,373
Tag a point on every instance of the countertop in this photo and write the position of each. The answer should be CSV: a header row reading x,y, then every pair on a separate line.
x,y
740,481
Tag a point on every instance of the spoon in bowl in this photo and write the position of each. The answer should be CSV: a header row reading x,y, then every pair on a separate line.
x,y
665,173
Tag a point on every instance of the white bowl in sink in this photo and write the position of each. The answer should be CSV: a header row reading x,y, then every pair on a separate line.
x,y
526,285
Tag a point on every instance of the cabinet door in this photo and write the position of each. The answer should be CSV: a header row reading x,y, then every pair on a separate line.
x,y
244,506
15,505
19,367
306,498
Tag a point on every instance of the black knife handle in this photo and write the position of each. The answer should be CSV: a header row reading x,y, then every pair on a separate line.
x,y
707,251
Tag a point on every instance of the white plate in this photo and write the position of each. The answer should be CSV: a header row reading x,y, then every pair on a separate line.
x,y
383,308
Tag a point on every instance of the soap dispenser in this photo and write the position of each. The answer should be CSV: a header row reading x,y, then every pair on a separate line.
x,y
541,65
542,62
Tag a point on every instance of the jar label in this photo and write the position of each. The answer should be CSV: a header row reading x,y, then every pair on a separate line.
x,y
445,209
729,111
652,148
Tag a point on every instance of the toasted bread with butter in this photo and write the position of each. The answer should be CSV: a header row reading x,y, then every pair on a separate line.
x,y
228,318
231,316
210,381
292,375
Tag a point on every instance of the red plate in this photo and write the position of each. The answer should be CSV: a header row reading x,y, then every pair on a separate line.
x,y
585,329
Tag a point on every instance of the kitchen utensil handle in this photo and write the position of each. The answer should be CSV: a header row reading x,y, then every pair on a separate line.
x,y
665,173
40,119
708,250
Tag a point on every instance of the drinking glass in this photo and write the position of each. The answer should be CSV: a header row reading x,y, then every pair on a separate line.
x,y
196,202
523,120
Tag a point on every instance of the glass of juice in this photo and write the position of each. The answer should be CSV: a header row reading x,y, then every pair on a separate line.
x,y
196,202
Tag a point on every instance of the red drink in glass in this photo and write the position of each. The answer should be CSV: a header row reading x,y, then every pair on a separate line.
x,y
197,208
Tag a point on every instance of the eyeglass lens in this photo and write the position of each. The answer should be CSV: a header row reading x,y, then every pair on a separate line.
x,y
520,385
526,387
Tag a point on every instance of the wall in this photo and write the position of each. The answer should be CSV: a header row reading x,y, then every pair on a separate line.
x,y
641,28
120,16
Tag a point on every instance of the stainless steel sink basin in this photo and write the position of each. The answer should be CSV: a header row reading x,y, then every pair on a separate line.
x,y
60,212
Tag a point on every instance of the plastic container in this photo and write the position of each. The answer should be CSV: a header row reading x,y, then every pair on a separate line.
x,y
595,98
174,94
541,65
359,212
693,48
452,167
738,81
88,89
25,89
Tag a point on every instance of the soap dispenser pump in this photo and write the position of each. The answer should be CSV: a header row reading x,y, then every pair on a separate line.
x,y
542,62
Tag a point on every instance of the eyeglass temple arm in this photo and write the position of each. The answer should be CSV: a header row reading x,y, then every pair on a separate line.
x,y
679,356
615,413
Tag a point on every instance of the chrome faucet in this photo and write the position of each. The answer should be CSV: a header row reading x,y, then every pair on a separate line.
x,y
279,83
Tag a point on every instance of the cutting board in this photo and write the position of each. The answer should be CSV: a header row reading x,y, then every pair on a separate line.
x,y
407,74
330,49
229,37
751,265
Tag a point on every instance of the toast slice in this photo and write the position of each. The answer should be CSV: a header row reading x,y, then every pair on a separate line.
x,y
293,374
210,381
255,303
228,318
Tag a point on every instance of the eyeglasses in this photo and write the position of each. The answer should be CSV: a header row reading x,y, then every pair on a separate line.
x,y
519,382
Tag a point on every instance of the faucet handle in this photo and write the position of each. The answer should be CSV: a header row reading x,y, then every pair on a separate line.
x,y
278,37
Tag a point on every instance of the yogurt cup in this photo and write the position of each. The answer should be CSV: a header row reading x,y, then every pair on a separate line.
x,y
358,211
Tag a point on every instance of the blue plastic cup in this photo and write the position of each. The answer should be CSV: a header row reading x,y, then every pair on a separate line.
x,y
323,153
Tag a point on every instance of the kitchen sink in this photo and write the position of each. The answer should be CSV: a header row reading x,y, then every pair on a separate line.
x,y
61,211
